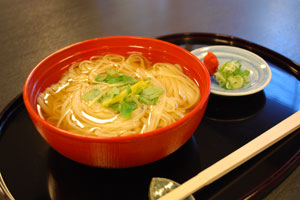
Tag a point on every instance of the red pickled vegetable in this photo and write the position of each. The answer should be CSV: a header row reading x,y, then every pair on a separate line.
x,y
211,63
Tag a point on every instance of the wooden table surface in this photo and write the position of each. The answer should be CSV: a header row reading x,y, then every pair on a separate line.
x,y
31,30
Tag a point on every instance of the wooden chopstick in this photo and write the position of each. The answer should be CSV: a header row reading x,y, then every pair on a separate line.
x,y
236,158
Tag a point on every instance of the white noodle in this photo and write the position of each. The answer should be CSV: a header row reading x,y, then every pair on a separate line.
x,y
61,104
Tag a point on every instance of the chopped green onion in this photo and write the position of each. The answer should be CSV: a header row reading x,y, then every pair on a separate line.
x,y
231,76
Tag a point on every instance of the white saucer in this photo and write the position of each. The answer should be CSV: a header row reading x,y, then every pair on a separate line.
x,y
260,73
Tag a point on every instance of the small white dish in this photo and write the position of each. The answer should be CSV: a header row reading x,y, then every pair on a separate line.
x,y
260,73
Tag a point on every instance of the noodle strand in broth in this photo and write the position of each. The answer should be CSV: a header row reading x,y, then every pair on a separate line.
x,y
79,101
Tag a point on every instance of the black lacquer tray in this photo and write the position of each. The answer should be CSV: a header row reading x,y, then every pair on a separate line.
x,y
32,170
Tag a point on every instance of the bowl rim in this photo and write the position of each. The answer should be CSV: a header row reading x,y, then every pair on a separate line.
x,y
115,139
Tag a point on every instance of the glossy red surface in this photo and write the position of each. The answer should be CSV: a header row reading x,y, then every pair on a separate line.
x,y
125,151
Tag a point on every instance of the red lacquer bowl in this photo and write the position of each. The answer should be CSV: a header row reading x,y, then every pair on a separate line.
x,y
124,151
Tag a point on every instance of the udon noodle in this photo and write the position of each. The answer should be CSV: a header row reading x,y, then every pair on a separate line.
x,y
91,98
